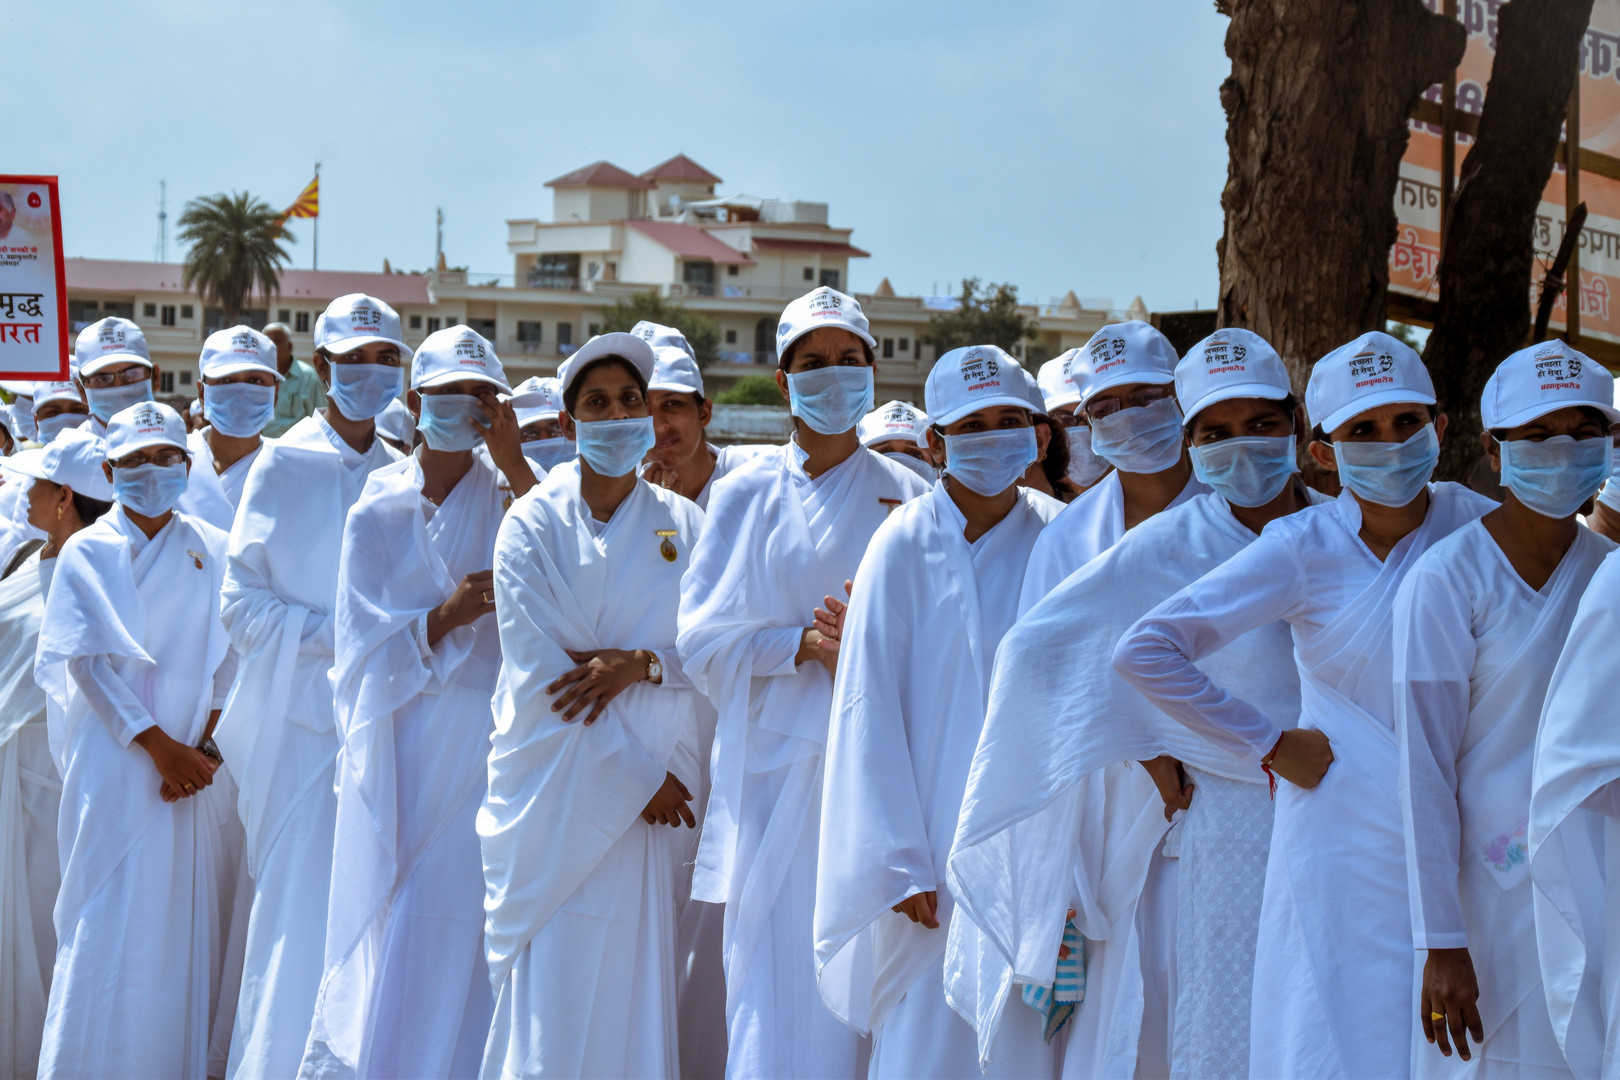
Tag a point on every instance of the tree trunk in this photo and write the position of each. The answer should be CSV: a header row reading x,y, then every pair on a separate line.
x,y
1485,268
1317,107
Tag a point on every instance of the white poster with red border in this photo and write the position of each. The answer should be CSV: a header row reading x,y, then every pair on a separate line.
x,y
34,341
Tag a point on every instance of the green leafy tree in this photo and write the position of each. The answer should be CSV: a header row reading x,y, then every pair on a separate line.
x,y
985,315
702,332
233,250
751,390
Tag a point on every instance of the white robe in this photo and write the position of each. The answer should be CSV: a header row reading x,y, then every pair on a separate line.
x,y
30,797
1575,835
15,531
908,705
131,638
1059,815
776,543
406,989
1334,958
210,494
579,903
277,731
1474,649
1088,525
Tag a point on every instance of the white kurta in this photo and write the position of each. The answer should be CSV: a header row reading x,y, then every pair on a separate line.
x,y
1088,525
1058,815
908,706
30,797
776,543
1474,649
131,638
1575,835
210,494
1334,959
579,903
406,989
277,731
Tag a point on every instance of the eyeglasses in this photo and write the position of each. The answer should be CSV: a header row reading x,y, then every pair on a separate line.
x,y
1136,399
129,376
1067,419
160,455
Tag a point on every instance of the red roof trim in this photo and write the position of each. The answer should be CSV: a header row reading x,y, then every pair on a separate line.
x,y
681,169
826,247
690,242
600,174
121,276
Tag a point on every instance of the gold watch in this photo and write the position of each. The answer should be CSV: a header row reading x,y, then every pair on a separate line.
x,y
655,670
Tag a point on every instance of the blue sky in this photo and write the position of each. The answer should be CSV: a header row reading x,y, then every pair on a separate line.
x,y
1065,145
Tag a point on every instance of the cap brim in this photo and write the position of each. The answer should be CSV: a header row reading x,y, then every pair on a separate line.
x,y
460,376
782,347
620,344
1535,412
30,462
968,408
1338,416
90,367
1060,400
114,453
1096,386
236,367
349,344
675,388
1264,391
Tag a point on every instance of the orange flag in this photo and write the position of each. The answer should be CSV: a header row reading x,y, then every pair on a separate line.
x,y
308,203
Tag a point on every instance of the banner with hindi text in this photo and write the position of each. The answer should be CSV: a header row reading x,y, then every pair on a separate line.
x,y
33,283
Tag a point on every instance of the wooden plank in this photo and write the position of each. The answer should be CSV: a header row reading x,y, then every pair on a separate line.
x,y
1429,112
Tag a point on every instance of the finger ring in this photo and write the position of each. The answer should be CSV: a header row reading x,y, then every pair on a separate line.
x,y
1437,1016
489,596
189,787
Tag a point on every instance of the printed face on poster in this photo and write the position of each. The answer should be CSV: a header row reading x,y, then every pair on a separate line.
x,y
33,282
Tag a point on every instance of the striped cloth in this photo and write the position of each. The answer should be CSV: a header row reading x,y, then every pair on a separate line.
x,y
1059,1000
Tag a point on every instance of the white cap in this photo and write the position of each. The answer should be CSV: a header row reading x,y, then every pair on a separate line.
x,y
1230,363
623,345
1122,354
1541,379
1057,384
146,423
538,397
674,369
823,306
56,391
657,334
972,378
892,420
355,319
1374,369
397,423
453,354
73,459
1032,391
237,349
109,341
195,408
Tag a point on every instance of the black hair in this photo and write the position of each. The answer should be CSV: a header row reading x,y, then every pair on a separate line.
x,y
1318,435
786,360
1056,462
89,509
571,394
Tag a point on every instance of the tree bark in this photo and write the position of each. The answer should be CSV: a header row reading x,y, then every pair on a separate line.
x,y
1317,107
1485,301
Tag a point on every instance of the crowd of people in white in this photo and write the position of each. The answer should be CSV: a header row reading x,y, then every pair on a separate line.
x,y
1057,728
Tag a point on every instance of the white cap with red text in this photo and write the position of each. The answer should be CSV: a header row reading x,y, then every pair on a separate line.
x,y
1058,387
975,377
538,397
1230,363
146,423
821,307
627,347
355,319
56,391
454,354
657,334
109,341
237,349
1374,369
1122,354
1544,378
892,420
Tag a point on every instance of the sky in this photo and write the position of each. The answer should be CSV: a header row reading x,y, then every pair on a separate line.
x,y
1055,146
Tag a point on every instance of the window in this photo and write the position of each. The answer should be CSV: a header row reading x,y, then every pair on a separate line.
x,y
612,271
284,315
698,277
829,278
731,337
486,327
809,273
301,322
416,322
165,382
433,323
123,309
167,316
149,311
888,348
187,313
185,378
592,330
731,271
555,272
904,344
565,338
529,334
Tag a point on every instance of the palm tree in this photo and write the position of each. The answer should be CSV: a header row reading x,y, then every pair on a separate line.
x,y
234,250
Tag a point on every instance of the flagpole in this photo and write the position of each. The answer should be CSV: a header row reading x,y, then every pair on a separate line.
x,y
315,245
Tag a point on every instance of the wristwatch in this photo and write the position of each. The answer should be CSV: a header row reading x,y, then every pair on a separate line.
x,y
655,670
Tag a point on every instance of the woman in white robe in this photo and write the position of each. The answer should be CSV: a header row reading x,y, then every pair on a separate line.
x,y
1058,815
783,533
133,654
1479,624
406,989
936,590
66,491
594,727
1333,960
277,730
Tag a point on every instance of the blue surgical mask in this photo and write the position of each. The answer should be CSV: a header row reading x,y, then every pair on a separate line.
x,y
831,400
1085,467
450,421
151,490
239,410
1555,476
614,447
915,464
990,462
1389,474
52,426
1248,471
549,453
363,391
1144,439
104,402
1610,495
